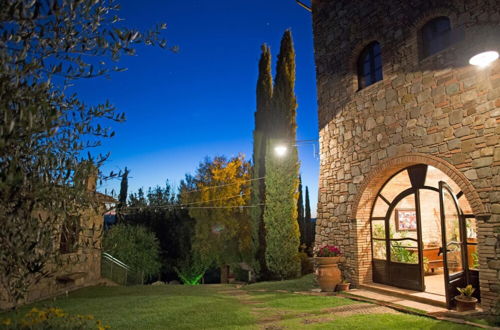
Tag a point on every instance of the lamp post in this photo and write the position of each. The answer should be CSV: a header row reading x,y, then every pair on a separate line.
x,y
281,149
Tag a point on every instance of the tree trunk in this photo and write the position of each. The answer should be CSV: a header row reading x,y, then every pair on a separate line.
x,y
224,274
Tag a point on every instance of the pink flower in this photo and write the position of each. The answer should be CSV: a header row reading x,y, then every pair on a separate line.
x,y
329,251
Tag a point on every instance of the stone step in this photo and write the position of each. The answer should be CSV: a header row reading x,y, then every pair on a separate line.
x,y
421,297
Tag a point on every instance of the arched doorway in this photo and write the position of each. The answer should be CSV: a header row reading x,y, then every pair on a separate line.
x,y
423,233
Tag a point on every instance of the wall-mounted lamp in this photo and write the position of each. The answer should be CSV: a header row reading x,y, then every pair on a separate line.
x,y
303,5
481,44
484,59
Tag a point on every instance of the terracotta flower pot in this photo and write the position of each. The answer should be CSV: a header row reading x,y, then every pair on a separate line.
x,y
328,273
343,286
465,303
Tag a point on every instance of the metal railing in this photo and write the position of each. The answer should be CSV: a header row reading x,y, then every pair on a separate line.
x,y
118,272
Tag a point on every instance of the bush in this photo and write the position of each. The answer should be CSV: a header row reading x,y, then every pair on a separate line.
x,y
52,318
306,266
136,246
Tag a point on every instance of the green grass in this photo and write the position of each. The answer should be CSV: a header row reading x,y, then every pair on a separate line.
x,y
155,307
300,303
223,307
305,283
374,322
490,320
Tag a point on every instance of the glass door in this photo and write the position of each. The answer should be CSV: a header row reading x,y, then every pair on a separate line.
x,y
453,246
405,268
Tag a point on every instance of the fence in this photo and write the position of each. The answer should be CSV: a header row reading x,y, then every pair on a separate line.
x,y
119,272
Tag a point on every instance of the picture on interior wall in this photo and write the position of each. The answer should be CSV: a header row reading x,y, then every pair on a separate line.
x,y
406,220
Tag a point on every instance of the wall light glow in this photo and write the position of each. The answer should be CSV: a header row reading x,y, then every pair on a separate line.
x,y
484,59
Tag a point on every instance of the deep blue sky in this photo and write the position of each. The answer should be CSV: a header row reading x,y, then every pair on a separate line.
x,y
201,101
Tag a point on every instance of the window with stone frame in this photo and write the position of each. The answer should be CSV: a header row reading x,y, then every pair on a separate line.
x,y
69,235
370,65
435,36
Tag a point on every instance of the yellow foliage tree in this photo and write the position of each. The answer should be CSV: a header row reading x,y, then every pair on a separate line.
x,y
219,204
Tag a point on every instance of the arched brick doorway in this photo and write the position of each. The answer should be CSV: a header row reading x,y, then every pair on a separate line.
x,y
362,207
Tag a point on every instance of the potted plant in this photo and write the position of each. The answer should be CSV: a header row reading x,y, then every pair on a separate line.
x,y
328,272
343,286
465,301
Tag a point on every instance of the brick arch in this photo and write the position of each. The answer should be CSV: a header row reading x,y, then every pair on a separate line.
x,y
356,53
423,18
362,205
360,47
378,177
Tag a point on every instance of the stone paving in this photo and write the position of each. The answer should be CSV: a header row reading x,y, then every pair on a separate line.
x,y
398,301
361,308
267,318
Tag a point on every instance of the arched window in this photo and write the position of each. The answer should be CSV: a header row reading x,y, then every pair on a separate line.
x,y
370,65
435,36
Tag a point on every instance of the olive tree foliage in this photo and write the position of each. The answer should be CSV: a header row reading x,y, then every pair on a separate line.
x,y
45,132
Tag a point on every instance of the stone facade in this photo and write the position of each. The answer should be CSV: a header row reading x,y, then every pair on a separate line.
x,y
79,268
439,111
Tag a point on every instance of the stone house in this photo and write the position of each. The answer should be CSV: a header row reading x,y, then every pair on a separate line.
x,y
79,250
409,143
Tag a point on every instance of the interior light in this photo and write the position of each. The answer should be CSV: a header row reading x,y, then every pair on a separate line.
x,y
280,150
484,59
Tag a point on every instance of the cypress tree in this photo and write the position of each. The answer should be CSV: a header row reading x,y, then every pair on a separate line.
x,y
122,197
300,214
282,173
264,92
308,222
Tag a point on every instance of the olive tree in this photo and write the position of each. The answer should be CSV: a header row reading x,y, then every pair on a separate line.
x,y
46,134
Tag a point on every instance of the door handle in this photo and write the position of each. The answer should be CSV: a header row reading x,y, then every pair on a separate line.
x,y
440,252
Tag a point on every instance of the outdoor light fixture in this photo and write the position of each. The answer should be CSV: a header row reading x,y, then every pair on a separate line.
x,y
280,150
484,59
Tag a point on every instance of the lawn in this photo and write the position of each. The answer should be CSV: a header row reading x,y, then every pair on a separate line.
x,y
224,307
305,283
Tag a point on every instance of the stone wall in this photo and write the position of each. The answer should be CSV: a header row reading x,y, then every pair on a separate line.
x,y
82,267
77,269
438,111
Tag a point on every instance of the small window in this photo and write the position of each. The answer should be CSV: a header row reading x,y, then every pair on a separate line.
x,y
69,236
435,36
370,65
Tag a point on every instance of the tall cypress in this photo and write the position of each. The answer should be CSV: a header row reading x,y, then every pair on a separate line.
x,y
122,197
282,173
309,225
300,214
264,92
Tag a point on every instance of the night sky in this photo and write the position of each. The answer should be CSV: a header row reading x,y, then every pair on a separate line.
x,y
181,107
